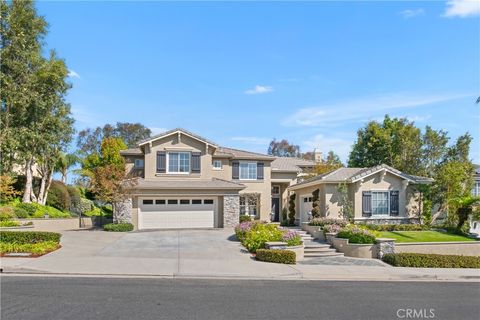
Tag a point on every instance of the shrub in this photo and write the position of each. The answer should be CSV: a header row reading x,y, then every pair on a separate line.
x,y
75,198
291,209
245,218
242,229
30,208
9,223
35,248
6,213
277,256
118,227
107,211
95,212
22,237
320,222
356,235
58,196
395,227
259,234
20,213
292,238
420,260
332,228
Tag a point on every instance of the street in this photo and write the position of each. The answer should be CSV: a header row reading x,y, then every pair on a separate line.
x,y
26,297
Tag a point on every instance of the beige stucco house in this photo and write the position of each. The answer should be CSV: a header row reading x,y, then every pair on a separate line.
x,y
379,194
187,181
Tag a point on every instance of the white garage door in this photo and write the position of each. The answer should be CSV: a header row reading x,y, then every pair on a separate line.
x,y
176,213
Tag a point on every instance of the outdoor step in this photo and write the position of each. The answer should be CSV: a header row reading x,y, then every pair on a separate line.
x,y
312,250
323,254
326,246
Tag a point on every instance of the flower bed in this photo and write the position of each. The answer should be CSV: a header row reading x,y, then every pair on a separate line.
x,y
321,222
253,235
355,234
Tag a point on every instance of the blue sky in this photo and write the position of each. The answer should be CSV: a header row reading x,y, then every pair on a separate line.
x,y
244,73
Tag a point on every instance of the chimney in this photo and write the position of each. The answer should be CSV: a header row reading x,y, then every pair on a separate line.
x,y
317,155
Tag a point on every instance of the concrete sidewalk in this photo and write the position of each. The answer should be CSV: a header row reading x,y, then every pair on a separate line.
x,y
197,254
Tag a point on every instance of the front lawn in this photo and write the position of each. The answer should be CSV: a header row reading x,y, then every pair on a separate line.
x,y
422,236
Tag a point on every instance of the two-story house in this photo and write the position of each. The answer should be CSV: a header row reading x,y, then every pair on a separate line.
x,y
187,181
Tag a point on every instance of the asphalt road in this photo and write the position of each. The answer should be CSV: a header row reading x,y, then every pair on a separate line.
x,y
102,298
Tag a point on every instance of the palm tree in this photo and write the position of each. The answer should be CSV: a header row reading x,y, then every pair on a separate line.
x,y
64,162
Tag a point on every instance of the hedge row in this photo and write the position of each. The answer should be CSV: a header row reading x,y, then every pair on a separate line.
x,y
22,237
118,227
421,260
277,256
397,227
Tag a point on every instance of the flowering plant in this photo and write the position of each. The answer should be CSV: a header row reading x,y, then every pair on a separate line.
x,y
332,228
321,222
292,238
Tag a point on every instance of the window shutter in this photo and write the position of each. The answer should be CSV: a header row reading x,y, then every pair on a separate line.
x,y
260,169
394,203
161,162
235,170
366,203
196,164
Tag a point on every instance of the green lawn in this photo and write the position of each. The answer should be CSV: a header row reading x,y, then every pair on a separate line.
x,y
422,236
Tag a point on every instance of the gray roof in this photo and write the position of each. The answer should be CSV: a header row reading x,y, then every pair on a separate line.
x,y
353,174
189,184
241,154
166,133
131,152
289,164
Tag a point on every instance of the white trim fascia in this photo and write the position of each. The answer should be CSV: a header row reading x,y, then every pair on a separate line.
x,y
379,170
177,132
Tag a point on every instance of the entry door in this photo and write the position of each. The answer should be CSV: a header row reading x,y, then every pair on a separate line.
x,y
276,209
306,208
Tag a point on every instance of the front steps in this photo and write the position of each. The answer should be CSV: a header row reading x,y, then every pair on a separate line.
x,y
313,248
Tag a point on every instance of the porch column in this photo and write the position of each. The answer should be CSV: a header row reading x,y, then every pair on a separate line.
x,y
231,210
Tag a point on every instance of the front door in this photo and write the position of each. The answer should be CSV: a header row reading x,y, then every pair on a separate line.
x,y
276,209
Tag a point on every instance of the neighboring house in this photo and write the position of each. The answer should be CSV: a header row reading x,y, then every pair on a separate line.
x,y
187,181
475,224
380,194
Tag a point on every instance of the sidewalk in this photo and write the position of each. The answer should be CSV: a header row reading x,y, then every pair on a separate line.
x,y
97,253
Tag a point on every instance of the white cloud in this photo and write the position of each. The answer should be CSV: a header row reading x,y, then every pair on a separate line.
x,y
462,8
410,13
156,130
259,90
417,118
73,74
252,140
340,146
362,108
83,116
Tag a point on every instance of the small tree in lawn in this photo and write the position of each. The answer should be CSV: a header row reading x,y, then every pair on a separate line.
x,y
291,210
316,204
346,205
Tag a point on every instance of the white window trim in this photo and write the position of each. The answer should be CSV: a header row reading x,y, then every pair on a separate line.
x,y
178,172
388,201
217,168
240,171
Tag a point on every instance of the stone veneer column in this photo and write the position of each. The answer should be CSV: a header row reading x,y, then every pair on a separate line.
x,y
231,210
384,246
122,211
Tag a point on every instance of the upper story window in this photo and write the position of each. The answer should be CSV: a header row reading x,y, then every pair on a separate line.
x,y
248,171
217,164
178,162
275,190
139,164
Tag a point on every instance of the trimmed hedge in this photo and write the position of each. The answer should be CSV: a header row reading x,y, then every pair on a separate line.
x,y
277,256
118,227
356,235
58,196
22,237
30,208
396,227
421,260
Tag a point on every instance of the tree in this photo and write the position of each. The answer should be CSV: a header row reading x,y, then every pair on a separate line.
x,y
35,119
331,163
346,205
283,149
316,203
465,207
89,140
7,191
291,209
64,162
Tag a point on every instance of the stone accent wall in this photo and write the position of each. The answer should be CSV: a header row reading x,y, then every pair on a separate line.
x,y
231,210
122,211
384,246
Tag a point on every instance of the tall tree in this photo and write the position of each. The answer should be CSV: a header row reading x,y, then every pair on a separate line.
x,y
65,161
332,162
283,149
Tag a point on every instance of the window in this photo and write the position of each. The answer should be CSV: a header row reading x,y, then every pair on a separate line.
x,y
196,201
179,162
380,202
476,189
248,171
147,202
249,205
217,164
184,201
160,201
208,201
308,199
139,163
172,201
275,190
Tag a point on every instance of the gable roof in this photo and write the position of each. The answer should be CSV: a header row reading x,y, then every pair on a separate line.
x,y
351,175
289,164
241,154
181,130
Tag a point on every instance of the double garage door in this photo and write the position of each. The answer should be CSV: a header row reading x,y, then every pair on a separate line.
x,y
176,213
